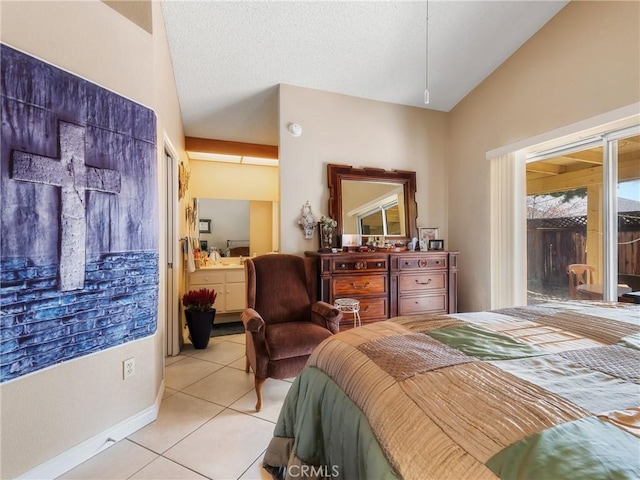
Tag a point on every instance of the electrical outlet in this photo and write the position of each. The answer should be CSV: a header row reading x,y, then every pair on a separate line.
x,y
128,368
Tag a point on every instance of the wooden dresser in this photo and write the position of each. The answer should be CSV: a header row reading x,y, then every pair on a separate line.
x,y
424,282
389,284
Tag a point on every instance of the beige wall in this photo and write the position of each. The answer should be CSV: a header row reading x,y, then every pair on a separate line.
x,y
232,181
48,412
362,133
584,62
258,183
261,227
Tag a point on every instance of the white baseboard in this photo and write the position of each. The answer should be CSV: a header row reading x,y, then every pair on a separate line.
x,y
84,451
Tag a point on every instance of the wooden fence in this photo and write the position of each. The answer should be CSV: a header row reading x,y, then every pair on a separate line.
x,y
550,249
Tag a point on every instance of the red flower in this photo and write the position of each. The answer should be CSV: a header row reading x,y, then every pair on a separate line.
x,y
199,300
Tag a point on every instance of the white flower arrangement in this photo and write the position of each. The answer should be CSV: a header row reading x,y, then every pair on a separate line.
x,y
328,222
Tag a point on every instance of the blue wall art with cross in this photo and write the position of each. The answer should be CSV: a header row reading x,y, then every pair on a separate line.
x,y
79,231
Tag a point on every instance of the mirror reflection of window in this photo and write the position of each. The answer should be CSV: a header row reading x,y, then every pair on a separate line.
x,y
383,220
372,223
394,226
373,208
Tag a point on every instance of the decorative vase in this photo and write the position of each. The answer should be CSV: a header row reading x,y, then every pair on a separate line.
x,y
200,324
326,236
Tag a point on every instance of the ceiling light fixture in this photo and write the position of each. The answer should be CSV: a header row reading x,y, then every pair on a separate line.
x,y
426,63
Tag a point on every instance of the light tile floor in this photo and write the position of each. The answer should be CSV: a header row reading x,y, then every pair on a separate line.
x,y
207,426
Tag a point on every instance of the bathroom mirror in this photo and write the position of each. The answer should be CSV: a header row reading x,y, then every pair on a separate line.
x,y
228,224
239,228
373,201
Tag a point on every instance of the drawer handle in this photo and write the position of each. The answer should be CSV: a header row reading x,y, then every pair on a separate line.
x,y
379,264
360,265
342,265
423,263
359,287
423,283
365,310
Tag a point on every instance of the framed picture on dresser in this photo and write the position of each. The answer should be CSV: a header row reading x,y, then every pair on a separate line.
x,y
435,245
426,234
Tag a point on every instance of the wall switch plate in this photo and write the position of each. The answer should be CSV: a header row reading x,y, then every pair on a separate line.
x,y
128,368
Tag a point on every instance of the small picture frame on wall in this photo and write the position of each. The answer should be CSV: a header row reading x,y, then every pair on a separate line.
x,y
204,226
436,245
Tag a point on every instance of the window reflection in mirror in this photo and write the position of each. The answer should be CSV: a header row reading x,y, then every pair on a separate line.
x,y
373,208
382,220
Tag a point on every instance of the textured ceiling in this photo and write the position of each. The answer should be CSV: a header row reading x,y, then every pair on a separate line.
x,y
229,56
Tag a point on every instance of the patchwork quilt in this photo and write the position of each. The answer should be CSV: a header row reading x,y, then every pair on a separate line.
x,y
550,391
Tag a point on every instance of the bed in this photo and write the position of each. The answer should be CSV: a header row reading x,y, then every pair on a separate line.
x,y
237,248
549,391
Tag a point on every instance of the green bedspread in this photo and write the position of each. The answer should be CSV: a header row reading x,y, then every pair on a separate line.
x,y
543,392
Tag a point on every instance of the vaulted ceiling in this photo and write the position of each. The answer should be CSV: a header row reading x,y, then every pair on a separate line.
x,y
230,56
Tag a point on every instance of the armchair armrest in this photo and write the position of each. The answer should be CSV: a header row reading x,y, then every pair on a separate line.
x,y
326,315
256,345
252,321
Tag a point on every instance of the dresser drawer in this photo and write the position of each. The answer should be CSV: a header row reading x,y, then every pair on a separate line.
x,y
423,304
359,264
423,282
422,262
374,308
344,286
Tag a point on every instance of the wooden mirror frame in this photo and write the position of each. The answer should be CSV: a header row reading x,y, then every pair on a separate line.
x,y
337,173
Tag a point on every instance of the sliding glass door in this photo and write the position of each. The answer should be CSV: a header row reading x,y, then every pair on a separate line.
x,y
583,219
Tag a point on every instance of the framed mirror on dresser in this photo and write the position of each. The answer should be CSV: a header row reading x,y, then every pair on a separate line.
x,y
373,202
385,282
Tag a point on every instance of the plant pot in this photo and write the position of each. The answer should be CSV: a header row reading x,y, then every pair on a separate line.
x,y
200,324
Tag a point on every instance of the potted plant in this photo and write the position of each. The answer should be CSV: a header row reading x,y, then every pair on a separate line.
x,y
198,308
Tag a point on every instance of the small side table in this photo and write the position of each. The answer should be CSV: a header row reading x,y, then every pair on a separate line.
x,y
349,305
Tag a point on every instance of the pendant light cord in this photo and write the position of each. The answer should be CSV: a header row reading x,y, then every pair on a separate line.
x,y
426,63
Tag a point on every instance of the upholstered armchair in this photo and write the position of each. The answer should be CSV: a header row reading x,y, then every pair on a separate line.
x,y
283,322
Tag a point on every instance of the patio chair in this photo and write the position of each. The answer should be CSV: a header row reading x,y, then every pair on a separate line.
x,y
579,274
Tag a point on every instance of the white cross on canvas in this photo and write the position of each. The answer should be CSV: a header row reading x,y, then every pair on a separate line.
x,y
70,173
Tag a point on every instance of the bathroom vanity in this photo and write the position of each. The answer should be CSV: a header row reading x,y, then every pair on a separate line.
x,y
227,280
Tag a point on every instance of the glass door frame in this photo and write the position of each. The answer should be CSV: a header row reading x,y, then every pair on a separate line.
x,y
609,143
508,218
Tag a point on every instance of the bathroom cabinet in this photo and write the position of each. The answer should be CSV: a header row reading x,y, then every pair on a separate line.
x,y
228,282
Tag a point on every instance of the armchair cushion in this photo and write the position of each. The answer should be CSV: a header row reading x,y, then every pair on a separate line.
x,y
294,339
277,288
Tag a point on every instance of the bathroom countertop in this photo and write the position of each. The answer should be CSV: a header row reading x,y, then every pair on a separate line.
x,y
222,266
